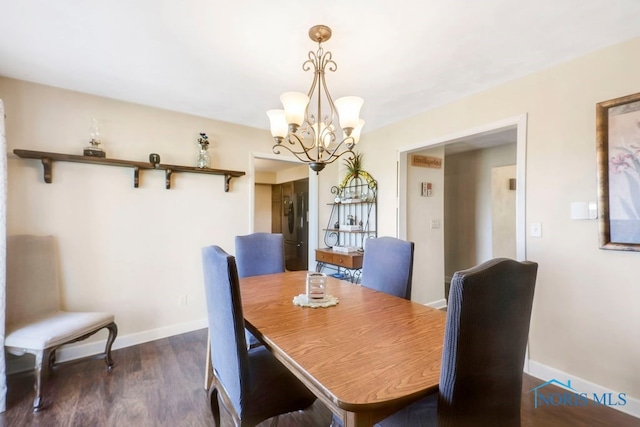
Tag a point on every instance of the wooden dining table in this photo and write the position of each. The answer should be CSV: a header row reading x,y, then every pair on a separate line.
x,y
364,358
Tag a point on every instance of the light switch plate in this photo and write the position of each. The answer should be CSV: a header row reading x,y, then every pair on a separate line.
x,y
536,229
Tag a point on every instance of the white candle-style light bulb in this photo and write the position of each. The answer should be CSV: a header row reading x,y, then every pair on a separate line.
x,y
349,112
279,126
295,105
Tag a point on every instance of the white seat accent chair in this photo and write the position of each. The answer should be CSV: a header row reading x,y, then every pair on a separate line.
x,y
35,321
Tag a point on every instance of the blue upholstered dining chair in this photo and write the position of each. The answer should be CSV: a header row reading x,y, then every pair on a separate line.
x,y
388,266
253,385
484,347
258,254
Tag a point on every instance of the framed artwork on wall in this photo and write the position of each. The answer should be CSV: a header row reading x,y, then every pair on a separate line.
x,y
618,154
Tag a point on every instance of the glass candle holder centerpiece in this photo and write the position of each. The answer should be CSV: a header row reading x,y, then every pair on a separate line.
x,y
316,287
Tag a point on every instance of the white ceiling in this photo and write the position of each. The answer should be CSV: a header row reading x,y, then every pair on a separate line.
x,y
230,60
482,140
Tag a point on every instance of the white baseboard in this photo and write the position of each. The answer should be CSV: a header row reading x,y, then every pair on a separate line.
x,y
441,303
546,373
76,351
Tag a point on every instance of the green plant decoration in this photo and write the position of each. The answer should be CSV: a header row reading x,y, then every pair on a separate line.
x,y
354,170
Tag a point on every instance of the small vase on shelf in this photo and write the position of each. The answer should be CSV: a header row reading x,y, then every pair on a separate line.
x,y
203,160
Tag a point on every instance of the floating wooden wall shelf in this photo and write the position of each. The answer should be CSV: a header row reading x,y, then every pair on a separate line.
x,y
48,159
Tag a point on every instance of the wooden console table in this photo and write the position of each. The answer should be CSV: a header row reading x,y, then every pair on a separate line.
x,y
351,261
48,159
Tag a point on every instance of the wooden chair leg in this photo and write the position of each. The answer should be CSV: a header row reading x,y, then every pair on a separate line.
x,y
113,333
42,370
208,368
215,406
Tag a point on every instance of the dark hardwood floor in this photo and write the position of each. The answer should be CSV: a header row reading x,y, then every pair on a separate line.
x,y
160,383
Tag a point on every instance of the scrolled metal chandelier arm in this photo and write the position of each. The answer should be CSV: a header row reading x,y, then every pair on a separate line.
x,y
313,131
331,154
347,142
307,158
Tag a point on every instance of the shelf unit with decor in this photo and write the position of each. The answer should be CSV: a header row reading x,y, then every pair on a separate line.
x,y
47,160
353,219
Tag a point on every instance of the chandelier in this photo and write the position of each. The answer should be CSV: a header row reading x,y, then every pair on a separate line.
x,y
311,135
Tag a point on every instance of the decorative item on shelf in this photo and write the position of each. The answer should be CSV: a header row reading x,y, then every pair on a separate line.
x,y
154,159
354,170
203,160
94,150
315,132
351,227
345,249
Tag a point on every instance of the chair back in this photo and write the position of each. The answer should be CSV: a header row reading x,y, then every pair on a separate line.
x,y
226,323
32,278
388,266
260,253
486,335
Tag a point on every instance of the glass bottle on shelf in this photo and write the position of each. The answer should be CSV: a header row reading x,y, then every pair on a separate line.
x,y
203,160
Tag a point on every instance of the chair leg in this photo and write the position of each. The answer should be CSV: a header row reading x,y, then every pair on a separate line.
x,y
42,369
113,333
215,406
208,368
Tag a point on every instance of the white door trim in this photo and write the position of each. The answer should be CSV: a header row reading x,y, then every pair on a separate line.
x,y
520,123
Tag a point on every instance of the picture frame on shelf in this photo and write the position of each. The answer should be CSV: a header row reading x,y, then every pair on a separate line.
x,y
618,169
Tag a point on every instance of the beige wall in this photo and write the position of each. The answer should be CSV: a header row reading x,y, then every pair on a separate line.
x,y
585,319
468,205
292,174
130,251
330,177
503,212
287,174
262,217
428,274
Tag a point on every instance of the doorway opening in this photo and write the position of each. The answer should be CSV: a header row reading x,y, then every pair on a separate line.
x,y
275,180
432,243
